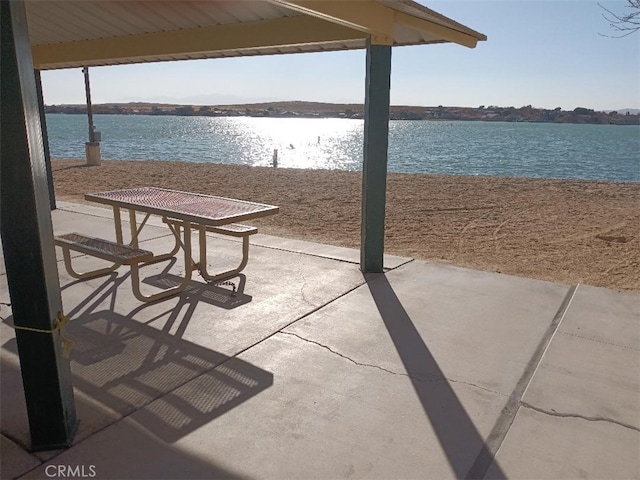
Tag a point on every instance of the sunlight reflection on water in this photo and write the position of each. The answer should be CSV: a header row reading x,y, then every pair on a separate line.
x,y
301,142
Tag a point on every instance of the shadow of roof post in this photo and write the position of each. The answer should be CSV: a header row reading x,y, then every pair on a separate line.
x,y
455,430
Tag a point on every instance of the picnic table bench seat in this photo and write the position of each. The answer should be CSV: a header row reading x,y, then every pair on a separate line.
x,y
99,248
104,249
232,229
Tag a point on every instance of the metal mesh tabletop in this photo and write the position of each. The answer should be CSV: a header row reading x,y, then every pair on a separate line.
x,y
205,209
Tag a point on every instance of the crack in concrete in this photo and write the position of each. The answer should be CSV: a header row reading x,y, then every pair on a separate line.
x,y
420,379
305,282
478,386
344,356
599,341
577,415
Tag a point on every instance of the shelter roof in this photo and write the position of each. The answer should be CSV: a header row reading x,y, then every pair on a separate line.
x,y
75,33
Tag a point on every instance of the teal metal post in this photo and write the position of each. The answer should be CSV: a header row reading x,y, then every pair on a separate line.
x,y
27,240
374,171
45,140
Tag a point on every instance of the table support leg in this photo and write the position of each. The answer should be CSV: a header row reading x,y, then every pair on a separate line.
x,y
202,265
133,228
188,269
118,224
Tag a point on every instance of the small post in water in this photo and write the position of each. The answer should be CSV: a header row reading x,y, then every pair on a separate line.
x,y
275,158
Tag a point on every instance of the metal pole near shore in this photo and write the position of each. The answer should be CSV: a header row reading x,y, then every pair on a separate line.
x,y
92,147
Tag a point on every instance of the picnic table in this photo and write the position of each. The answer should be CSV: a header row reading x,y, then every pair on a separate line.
x,y
182,212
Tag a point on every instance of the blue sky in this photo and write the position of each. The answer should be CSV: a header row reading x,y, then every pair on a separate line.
x,y
543,53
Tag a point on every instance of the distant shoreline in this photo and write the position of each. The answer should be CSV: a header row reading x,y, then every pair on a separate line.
x,y
356,111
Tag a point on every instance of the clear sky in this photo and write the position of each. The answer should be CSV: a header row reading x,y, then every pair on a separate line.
x,y
547,54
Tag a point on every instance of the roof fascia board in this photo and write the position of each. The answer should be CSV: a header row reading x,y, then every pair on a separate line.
x,y
289,31
435,29
420,11
368,16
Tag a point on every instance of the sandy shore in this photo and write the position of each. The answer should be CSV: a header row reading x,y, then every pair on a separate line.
x,y
567,231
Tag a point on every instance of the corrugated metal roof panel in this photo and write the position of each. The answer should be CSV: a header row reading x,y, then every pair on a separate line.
x,y
60,21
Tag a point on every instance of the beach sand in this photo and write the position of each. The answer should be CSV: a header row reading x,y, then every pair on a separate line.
x,y
567,231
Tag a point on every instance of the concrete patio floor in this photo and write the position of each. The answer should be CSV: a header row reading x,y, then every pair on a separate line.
x,y
315,371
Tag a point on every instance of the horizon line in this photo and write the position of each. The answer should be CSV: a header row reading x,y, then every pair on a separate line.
x,y
481,107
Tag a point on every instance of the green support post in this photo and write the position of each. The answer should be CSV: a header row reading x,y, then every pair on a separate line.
x,y
374,171
27,238
45,140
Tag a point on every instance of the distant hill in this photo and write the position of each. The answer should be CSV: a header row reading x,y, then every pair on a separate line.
x,y
341,110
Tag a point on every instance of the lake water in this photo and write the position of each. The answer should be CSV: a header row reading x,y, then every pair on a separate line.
x,y
542,150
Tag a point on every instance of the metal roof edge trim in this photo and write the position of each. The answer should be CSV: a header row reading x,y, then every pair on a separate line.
x,y
417,10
